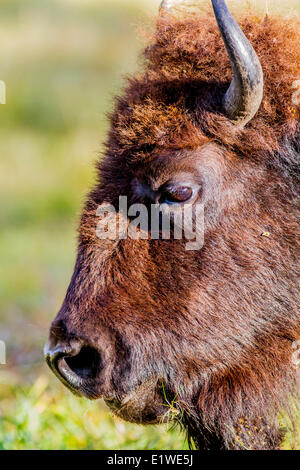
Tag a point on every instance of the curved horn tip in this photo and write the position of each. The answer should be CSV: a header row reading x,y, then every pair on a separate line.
x,y
168,5
244,96
164,5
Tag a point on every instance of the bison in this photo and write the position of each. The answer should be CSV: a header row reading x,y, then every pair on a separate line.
x,y
212,332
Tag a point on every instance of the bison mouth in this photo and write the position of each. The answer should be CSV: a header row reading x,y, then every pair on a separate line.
x,y
143,405
79,368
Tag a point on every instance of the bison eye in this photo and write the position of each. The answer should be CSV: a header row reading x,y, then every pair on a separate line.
x,y
176,194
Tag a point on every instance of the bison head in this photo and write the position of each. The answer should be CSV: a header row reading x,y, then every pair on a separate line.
x,y
147,322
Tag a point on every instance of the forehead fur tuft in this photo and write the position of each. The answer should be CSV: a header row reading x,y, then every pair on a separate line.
x,y
176,101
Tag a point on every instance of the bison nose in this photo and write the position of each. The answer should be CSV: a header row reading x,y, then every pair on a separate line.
x,y
73,363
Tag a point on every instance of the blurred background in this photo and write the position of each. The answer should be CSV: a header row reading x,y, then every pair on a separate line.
x,y
62,62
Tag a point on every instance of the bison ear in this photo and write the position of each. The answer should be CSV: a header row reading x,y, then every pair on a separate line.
x,y
244,96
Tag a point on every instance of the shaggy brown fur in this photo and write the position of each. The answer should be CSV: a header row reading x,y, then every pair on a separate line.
x,y
175,102
216,326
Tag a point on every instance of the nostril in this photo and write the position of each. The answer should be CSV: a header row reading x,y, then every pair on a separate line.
x,y
85,364
73,363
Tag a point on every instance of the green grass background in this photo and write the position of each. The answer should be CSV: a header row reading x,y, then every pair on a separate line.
x,y
62,61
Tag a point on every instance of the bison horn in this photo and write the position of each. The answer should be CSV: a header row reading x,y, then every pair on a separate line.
x,y
244,96
168,4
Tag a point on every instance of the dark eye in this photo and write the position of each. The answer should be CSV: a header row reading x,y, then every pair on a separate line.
x,y
176,194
